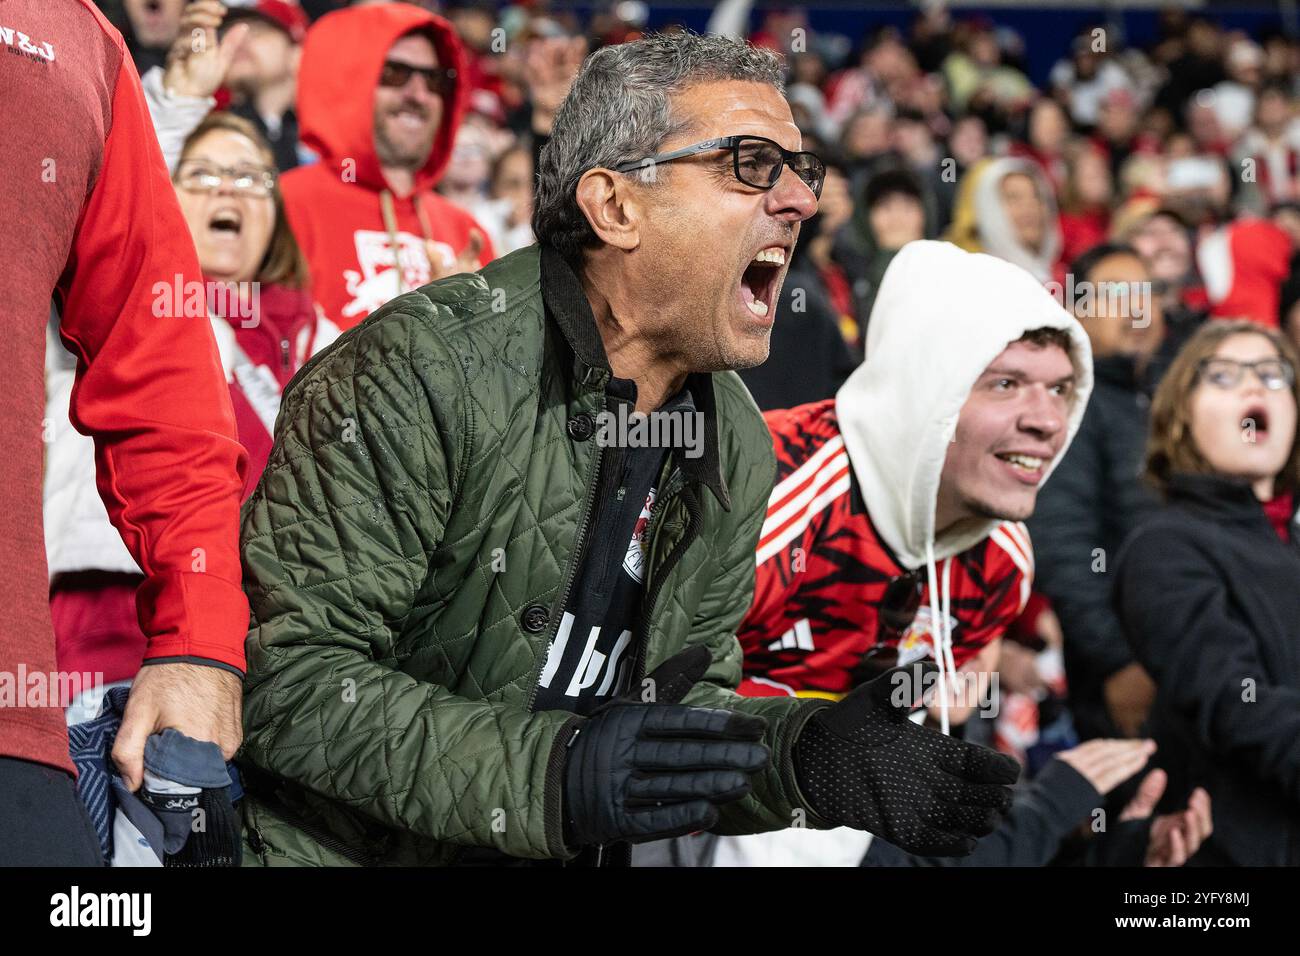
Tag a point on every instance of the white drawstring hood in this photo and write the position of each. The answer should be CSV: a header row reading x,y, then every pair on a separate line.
x,y
941,317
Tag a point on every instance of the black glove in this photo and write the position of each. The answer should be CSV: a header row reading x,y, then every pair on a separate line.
x,y
861,763
638,772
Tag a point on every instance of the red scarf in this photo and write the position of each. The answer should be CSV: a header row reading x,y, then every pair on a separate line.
x,y
1279,511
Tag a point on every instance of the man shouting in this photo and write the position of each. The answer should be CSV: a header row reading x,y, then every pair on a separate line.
x,y
460,581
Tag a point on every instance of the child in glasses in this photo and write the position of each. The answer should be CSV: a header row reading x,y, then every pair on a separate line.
x,y
1207,588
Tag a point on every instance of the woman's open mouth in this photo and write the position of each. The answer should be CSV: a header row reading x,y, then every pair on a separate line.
x,y
758,283
226,223
1254,423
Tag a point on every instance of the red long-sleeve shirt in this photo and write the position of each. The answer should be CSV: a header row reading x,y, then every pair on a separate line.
x,y
91,222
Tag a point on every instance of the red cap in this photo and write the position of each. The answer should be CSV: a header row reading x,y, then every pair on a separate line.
x,y
284,14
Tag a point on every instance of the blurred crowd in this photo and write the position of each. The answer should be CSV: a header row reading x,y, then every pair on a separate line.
x,y
1171,169
1183,148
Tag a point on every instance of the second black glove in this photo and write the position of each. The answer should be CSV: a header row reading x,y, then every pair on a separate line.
x,y
862,763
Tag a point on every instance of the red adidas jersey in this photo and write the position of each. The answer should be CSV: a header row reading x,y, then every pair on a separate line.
x,y
823,570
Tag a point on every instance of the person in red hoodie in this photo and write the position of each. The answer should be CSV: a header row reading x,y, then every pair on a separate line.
x,y
92,223
380,97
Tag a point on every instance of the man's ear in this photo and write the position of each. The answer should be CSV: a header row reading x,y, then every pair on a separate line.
x,y
612,207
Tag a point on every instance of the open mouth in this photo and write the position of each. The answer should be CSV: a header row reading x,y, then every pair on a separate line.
x,y
1028,468
1255,421
227,223
758,283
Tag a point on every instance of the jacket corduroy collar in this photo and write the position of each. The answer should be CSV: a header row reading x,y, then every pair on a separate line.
x,y
568,308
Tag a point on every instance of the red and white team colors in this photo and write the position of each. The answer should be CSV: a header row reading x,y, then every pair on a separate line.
x,y
823,570
852,514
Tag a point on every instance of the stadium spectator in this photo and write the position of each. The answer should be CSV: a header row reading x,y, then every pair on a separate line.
x,y
1206,589
1095,498
1084,80
1006,208
1233,99
892,532
979,79
609,313
266,328
230,196
263,77
968,143
890,215
1119,133
509,209
1195,62
99,237
1268,154
380,97
866,139
149,27
1162,238
180,95
1087,198
1047,129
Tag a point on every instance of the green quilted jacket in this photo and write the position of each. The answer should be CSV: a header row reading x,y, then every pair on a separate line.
x,y
406,556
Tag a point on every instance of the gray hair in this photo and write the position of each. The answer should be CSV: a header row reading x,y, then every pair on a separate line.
x,y
618,111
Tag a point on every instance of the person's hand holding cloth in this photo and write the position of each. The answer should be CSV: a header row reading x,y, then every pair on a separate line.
x,y
646,771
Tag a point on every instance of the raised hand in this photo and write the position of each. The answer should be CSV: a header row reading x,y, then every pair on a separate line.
x,y
197,61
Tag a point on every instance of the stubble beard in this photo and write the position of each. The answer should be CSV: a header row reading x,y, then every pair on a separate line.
x,y
398,157
983,509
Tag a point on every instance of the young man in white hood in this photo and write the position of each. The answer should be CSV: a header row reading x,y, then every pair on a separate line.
x,y
894,530
903,497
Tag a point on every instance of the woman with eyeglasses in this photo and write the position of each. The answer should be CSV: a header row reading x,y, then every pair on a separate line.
x,y
256,297
1208,589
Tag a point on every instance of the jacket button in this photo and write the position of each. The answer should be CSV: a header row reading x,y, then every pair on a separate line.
x,y
535,618
580,427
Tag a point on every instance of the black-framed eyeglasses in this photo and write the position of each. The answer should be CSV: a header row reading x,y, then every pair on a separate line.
x,y
1274,374
437,79
756,161
200,175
